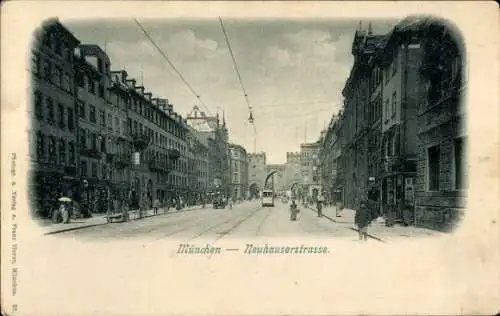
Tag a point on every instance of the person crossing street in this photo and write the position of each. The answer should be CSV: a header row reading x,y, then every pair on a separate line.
x,y
320,202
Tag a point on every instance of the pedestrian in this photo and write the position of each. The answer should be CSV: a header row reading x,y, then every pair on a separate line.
x,y
294,210
320,202
362,219
230,201
156,205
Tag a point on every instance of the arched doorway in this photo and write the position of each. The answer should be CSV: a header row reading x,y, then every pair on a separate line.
x,y
150,191
254,191
135,192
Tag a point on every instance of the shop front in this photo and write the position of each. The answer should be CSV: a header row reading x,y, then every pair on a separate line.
x,y
398,187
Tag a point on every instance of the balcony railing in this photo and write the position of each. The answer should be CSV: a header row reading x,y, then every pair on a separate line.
x,y
173,154
122,160
141,141
157,165
91,152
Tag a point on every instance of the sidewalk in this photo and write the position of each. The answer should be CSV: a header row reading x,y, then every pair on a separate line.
x,y
377,228
101,219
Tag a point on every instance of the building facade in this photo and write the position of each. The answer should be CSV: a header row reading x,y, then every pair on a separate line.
x,y
214,133
310,169
292,169
402,128
53,131
197,166
441,183
329,155
239,172
257,173
309,162
92,72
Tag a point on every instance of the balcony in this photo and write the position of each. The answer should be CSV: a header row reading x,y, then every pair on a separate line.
x,y
91,152
157,165
110,157
140,141
173,154
122,160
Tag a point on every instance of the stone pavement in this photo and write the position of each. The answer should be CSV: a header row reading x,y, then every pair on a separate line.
x,y
100,219
377,228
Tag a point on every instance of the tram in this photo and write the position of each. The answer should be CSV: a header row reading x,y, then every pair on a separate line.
x,y
267,198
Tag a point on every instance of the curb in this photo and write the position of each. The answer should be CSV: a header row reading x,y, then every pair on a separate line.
x,y
105,223
351,228
73,228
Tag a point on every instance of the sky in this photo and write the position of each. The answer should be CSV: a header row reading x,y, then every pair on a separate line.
x,y
292,70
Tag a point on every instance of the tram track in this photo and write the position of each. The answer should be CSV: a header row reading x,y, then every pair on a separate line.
x,y
238,223
197,223
257,231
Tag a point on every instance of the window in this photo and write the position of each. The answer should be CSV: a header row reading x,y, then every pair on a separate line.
x,y
47,70
80,78
386,74
52,149
393,110
433,156
386,108
60,111
93,141
103,144
104,171
101,90
129,124
94,170
461,172
62,152
110,122
92,113
40,146
38,102
50,111
83,168
71,120
117,124
57,79
58,48
66,82
35,64
81,109
102,118
91,86
68,54
83,139
71,152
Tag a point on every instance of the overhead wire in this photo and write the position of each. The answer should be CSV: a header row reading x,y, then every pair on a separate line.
x,y
198,97
240,80
235,64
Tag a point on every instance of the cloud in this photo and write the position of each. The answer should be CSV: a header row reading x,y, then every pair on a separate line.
x,y
283,65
